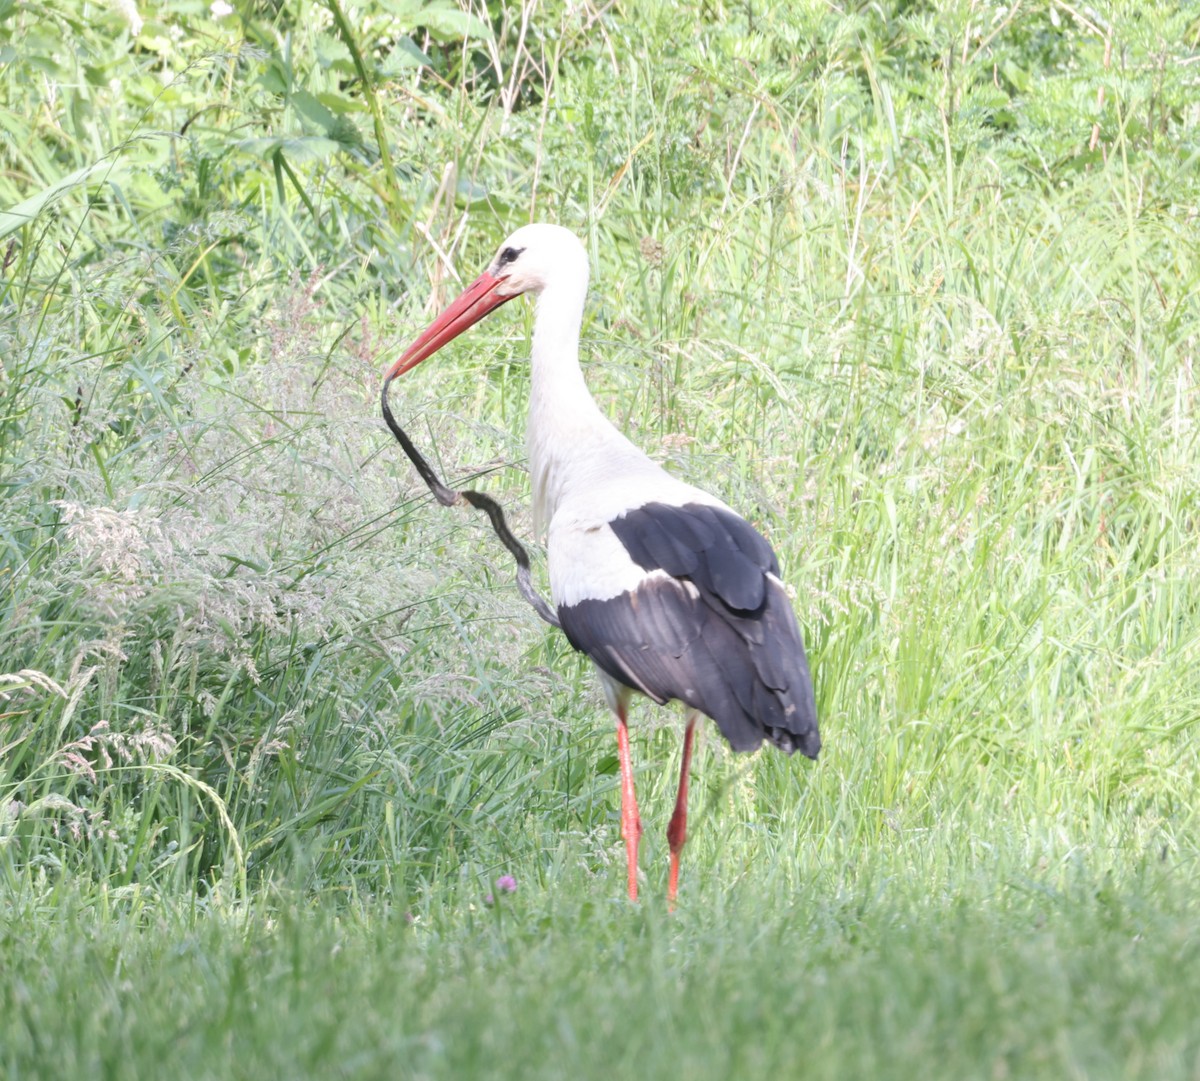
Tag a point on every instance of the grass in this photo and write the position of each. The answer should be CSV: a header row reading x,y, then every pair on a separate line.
x,y
914,287
979,970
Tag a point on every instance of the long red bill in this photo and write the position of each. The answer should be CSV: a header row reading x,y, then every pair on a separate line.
x,y
479,298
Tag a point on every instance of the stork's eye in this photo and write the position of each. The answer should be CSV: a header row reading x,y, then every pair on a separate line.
x,y
509,255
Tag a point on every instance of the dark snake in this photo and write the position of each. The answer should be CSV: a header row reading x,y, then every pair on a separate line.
x,y
448,497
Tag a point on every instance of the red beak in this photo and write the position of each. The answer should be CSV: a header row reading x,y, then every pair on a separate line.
x,y
479,298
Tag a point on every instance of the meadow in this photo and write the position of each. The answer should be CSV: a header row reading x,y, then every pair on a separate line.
x,y
913,285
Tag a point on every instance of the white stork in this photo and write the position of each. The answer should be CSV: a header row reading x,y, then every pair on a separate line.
x,y
666,589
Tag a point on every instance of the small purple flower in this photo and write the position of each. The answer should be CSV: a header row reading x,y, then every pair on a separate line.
x,y
504,884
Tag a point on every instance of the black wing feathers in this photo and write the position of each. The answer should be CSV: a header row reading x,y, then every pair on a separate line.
x,y
721,553
713,630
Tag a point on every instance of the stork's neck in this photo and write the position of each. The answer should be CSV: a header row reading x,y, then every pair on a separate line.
x,y
558,388
567,433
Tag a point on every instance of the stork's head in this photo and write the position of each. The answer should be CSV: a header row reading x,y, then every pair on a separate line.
x,y
535,256
532,259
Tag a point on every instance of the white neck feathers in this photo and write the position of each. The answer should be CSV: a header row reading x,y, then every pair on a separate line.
x,y
566,428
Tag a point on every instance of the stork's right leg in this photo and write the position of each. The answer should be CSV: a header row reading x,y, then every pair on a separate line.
x,y
677,830
631,824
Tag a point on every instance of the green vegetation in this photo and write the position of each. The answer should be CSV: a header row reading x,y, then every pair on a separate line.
x,y
915,286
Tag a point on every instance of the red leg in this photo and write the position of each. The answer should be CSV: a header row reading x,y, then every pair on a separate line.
x,y
631,824
677,830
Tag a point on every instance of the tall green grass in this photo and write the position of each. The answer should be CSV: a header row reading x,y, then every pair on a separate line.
x,y
913,286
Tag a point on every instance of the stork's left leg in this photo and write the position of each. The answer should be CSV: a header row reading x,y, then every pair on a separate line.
x,y
631,823
677,830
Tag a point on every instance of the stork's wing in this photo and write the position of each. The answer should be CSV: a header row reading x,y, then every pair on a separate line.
x,y
709,623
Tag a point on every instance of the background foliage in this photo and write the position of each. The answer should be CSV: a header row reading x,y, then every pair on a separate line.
x,y
914,285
